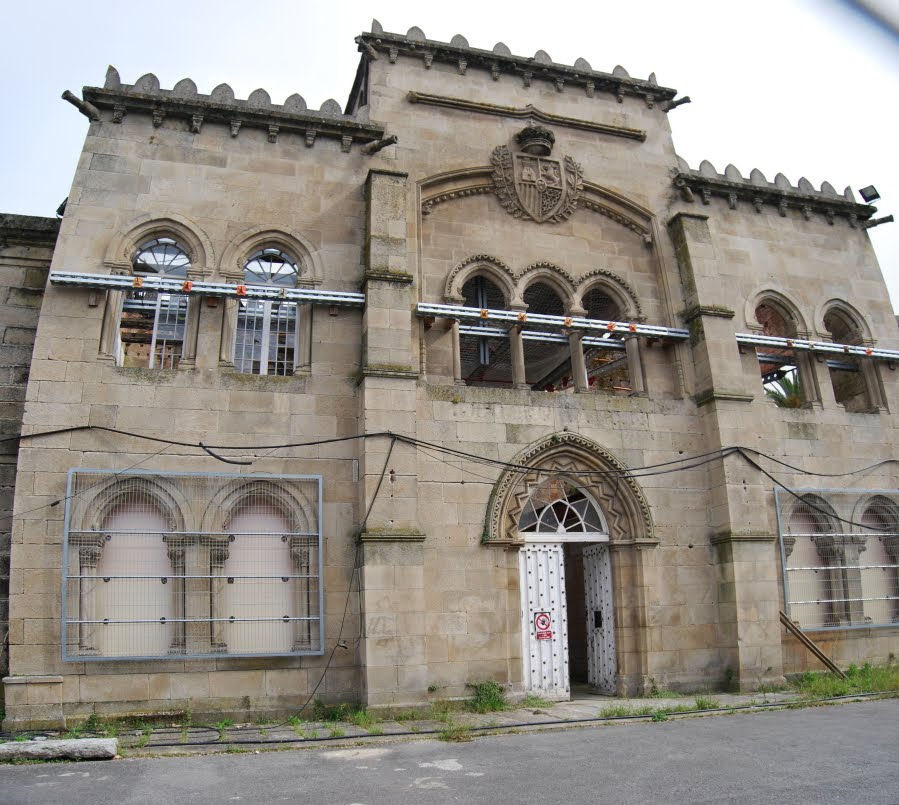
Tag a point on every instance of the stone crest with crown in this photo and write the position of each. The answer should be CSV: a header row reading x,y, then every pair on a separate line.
x,y
531,183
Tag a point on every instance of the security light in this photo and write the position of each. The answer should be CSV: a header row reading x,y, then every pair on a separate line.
x,y
869,193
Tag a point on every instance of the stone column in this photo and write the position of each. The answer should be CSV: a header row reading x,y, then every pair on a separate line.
x,y
175,546
304,605
841,553
634,364
90,549
219,549
516,348
112,314
457,354
578,364
393,640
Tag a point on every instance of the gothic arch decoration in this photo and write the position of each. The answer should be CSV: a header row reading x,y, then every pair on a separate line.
x,y
297,507
771,294
122,248
557,278
478,181
575,457
847,312
252,240
620,289
491,267
95,504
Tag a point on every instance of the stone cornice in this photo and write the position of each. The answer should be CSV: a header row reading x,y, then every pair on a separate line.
x,y
500,61
392,535
221,107
707,310
759,193
711,395
723,537
28,230
528,112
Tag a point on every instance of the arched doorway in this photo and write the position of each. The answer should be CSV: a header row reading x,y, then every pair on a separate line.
x,y
580,526
568,620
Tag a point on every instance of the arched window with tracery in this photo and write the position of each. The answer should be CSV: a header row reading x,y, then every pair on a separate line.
x,y
153,323
267,331
557,507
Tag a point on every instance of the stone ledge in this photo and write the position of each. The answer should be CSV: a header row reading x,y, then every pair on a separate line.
x,y
729,536
73,749
705,397
392,535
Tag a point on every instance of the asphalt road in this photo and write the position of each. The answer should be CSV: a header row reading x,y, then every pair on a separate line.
x,y
841,754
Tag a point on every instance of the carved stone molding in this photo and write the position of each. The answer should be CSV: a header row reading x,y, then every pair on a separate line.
x,y
577,457
529,112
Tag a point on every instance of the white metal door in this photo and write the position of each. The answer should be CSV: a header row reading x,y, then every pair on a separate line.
x,y
544,623
601,665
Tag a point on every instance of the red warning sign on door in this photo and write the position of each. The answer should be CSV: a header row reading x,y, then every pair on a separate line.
x,y
542,622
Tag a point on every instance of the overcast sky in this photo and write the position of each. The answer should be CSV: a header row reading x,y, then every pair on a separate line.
x,y
802,87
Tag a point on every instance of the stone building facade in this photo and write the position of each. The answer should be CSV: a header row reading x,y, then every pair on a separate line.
x,y
371,404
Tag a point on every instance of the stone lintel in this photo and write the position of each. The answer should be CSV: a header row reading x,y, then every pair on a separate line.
x,y
395,277
713,395
523,66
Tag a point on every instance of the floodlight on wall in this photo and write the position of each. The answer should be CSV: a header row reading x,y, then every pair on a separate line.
x,y
869,193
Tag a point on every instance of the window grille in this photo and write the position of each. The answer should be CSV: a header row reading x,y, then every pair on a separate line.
x,y
152,323
174,565
839,557
266,334
560,508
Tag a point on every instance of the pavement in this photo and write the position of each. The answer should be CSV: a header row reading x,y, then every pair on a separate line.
x,y
176,738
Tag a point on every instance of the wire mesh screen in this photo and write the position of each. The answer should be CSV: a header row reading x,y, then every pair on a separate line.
x,y
840,557
191,565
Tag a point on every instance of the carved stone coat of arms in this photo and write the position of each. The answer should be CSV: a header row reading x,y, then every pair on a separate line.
x,y
532,183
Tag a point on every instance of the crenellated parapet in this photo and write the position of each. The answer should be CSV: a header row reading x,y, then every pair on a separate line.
x,y
501,62
185,104
706,182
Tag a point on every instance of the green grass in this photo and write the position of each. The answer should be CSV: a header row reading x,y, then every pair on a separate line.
x,y
535,701
362,718
145,736
867,679
336,732
222,727
489,697
331,712
455,733
707,703
615,711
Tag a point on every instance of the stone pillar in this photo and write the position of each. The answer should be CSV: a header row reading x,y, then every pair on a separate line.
x,y
634,364
739,497
112,314
175,547
457,354
578,364
516,348
90,549
841,554
302,595
391,554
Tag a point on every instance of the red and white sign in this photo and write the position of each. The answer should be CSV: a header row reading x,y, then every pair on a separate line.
x,y
542,621
547,635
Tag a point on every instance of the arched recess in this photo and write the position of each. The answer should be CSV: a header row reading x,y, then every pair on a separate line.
x,y
578,458
121,535
855,381
259,237
119,259
557,278
124,245
878,516
480,265
788,376
619,536
265,565
618,289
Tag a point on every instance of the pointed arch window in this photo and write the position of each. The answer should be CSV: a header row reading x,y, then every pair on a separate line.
x,y
854,381
153,323
267,330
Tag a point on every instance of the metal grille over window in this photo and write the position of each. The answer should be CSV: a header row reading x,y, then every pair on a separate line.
x,y
840,557
152,323
266,337
167,565
486,359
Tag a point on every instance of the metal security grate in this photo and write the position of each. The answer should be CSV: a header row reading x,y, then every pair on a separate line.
x,y
840,557
174,565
